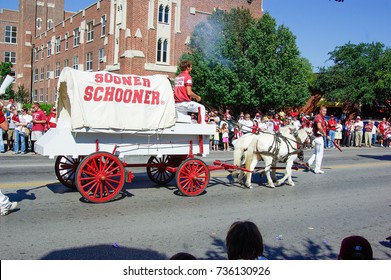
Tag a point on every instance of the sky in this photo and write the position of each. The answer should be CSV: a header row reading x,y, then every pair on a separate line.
x,y
319,25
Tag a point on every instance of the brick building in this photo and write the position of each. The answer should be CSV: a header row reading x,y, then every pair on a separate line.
x,y
123,36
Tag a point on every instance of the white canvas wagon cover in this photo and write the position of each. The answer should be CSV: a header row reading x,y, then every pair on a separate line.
x,y
104,100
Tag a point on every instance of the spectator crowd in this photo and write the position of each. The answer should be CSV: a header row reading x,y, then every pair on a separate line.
x,y
344,131
25,126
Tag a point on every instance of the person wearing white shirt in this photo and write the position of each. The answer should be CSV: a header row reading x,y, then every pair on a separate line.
x,y
247,124
296,122
374,132
358,128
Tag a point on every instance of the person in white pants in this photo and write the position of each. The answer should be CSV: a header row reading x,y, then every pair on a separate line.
x,y
320,130
5,205
183,93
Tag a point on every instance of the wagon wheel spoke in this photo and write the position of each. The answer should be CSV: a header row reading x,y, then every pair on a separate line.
x,y
65,168
192,177
100,177
158,173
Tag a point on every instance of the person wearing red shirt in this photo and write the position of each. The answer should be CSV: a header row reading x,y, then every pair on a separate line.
x,y
51,119
320,130
39,121
277,123
294,113
331,125
6,206
381,129
183,93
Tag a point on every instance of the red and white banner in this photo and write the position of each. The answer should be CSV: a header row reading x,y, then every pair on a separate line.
x,y
104,100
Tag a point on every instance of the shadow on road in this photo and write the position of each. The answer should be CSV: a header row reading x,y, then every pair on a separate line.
x,y
382,157
22,194
313,251
104,252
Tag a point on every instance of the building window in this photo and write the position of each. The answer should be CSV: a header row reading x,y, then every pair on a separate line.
x,y
10,34
166,13
161,9
58,45
103,22
159,50
89,61
36,57
50,24
66,63
36,75
76,62
41,95
48,72
90,31
162,49
101,55
49,48
58,70
165,46
66,41
42,75
42,53
39,23
10,57
47,95
35,95
76,37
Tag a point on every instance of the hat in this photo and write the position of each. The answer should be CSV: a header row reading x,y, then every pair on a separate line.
x,y
332,116
355,248
358,117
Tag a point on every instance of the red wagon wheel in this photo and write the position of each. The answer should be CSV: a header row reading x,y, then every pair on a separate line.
x,y
65,168
192,177
100,177
158,173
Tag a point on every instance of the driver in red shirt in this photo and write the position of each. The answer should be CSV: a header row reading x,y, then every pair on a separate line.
x,y
184,94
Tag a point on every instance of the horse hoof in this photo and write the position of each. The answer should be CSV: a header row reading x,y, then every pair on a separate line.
x,y
250,187
271,186
291,184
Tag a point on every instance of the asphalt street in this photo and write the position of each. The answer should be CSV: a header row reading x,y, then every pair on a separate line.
x,y
307,221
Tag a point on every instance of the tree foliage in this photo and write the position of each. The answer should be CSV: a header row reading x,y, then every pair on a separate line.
x,y
361,74
246,63
5,69
22,95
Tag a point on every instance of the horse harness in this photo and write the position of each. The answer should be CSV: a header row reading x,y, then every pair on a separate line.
x,y
274,148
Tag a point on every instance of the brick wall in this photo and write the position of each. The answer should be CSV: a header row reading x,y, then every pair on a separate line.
x,y
135,40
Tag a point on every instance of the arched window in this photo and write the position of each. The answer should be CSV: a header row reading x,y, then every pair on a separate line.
x,y
166,13
165,46
161,8
159,50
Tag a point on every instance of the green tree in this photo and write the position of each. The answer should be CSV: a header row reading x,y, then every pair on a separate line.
x,y
361,74
5,69
247,63
22,95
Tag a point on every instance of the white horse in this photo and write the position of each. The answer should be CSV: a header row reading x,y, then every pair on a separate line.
x,y
273,148
240,151
248,140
